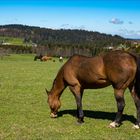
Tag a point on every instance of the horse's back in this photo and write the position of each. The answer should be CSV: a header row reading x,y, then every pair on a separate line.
x,y
117,68
85,71
45,58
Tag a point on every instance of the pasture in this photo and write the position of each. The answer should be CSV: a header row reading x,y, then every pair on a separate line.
x,y
14,41
24,112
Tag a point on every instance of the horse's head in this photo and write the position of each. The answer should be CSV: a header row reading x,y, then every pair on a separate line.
x,y
54,103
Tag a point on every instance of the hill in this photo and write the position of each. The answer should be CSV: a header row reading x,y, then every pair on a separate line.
x,y
62,42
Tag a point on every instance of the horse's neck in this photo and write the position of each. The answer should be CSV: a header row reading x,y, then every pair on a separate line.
x,y
58,87
55,92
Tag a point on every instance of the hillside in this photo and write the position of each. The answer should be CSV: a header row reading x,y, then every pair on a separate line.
x,y
74,40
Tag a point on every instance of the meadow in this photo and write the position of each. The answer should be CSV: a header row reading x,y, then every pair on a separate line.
x,y
24,112
14,41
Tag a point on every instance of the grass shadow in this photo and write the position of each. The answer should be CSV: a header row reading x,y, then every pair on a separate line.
x,y
99,115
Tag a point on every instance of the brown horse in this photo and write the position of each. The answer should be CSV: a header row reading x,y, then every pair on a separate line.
x,y
46,58
117,68
38,57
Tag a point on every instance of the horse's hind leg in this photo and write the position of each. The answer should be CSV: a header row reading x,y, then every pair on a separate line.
x,y
119,95
78,93
137,103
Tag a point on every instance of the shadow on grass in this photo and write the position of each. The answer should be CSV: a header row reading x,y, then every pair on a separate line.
x,y
98,115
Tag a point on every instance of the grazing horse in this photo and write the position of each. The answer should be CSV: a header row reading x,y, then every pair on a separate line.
x,y
38,57
46,58
117,68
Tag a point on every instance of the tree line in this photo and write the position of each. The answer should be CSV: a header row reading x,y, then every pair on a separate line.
x,y
62,42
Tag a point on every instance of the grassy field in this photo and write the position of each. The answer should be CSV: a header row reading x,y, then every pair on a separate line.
x,y
24,112
14,41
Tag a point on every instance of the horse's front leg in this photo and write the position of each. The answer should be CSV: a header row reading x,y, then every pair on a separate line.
x,y
80,113
78,93
119,95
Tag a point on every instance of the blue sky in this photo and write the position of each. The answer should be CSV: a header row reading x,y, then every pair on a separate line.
x,y
121,17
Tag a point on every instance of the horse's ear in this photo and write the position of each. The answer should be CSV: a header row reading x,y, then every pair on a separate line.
x,y
47,91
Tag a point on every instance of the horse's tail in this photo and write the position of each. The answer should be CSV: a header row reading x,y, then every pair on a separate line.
x,y
137,77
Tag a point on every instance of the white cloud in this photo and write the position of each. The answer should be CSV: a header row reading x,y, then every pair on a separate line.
x,y
68,26
116,21
130,33
64,25
138,33
130,22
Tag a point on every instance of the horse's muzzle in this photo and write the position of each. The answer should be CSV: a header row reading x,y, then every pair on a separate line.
x,y
52,115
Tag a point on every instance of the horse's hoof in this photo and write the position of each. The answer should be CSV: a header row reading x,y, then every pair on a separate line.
x,y
136,127
52,115
113,125
80,121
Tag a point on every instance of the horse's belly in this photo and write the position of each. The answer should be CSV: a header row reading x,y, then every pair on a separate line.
x,y
101,83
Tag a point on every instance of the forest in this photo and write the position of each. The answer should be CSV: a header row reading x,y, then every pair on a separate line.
x,y
59,42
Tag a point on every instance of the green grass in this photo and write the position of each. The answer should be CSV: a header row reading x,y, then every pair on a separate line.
x,y
13,41
24,112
